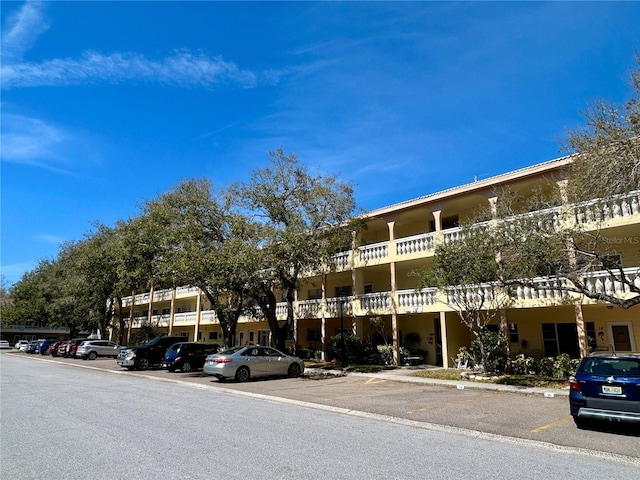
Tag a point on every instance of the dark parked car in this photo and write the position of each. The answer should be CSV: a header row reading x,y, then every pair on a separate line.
x,y
606,387
187,356
147,355
43,348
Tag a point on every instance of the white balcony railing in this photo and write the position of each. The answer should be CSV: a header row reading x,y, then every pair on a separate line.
x,y
337,306
415,244
605,282
543,288
616,207
341,260
375,251
413,299
371,302
308,308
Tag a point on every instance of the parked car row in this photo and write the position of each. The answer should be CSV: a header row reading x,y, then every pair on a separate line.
x,y
173,353
87,349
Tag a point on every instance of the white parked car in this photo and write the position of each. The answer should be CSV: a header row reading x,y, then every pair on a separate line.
x,y
4,344
92,349
21,343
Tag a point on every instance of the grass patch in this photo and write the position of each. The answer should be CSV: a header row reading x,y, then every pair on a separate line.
x,y
533,381
516,380
439,373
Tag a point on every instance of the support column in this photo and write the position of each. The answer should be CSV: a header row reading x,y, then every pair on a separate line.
x,y
150,307
583,341
437,219
323,319
196,330
445,341
172,310
393,284
131,314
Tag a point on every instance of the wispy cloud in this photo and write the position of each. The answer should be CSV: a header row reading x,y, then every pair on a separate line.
x,y
32,141
21,31
39,143
181,68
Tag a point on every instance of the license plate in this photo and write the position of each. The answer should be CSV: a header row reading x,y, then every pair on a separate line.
x,y
611,390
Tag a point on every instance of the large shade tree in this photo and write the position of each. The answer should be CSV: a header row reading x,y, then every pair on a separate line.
x,y
303,218
204,244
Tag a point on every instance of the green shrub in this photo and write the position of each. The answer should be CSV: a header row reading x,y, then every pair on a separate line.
x,y
354,349
564,366
495,347
546,366
386,354
523,365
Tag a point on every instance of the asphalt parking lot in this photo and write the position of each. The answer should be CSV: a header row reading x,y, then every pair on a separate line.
x,y
530,415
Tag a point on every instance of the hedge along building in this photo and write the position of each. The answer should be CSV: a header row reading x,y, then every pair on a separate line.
x,y
377,277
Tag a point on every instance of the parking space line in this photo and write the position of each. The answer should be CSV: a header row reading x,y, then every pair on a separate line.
x,y
551,425
373,380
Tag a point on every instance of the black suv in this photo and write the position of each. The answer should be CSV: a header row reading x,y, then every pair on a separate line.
x,y
187,356
148,354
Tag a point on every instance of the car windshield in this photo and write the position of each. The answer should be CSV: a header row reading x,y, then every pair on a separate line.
x,y
151,342
230,351
612,366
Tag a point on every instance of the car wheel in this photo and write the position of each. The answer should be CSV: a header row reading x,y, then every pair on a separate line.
x,y
93,355
142,364
242,374
294,370
186,367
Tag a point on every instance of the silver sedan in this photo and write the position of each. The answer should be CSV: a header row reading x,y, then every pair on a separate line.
x,y
245,362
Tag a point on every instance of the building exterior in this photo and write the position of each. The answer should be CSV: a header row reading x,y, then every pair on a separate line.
x,y
378,279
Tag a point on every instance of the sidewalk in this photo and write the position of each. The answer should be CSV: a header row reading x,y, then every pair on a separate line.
x,y
403,374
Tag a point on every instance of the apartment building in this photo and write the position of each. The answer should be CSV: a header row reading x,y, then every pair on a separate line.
x,y
378,279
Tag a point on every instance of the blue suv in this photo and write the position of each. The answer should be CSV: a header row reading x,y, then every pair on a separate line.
x,y
606,387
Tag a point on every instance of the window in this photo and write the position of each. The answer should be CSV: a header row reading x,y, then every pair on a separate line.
x,y
251,337
184,309
314,294
560,338
166,311
344,291
314,335
154,312
184,334
213,335
368,288
513,333
263,337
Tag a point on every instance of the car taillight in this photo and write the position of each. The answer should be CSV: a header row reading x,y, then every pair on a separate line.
x,y
223,360
573,384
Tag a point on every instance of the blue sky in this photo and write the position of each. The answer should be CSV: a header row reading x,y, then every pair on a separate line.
x,y
106,104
